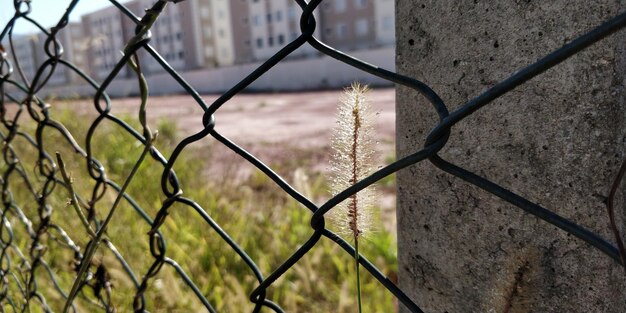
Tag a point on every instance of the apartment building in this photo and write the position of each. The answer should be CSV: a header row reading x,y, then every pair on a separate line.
x,y
214,31
188,35
60,75
24,48
358,24
171,36
104,30
72,45
272,25
32,54
196,34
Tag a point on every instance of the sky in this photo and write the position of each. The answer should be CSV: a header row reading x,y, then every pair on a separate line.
x,y
48,12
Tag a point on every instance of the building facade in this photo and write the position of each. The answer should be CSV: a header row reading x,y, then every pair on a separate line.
x,y
105,34
33,54
214,32
272,25
24,47
242,38
60,73
348,24
170,36
196,34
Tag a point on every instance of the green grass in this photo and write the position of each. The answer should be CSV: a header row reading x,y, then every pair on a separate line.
x,y
258,215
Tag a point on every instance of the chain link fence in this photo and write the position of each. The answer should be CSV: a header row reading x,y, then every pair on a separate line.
x,y
22,271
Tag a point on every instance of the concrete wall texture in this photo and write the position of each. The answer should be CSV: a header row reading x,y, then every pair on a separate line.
x,y
557,140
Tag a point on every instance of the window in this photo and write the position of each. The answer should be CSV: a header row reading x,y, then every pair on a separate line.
x,y
281,39
270,41
256,20
279,16
342,30
221,33
291,13
259,43
340,5
181,54
388,23
269,17
361,27
360,3
179,36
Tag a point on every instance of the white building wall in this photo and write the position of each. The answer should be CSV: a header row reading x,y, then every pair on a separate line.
x,y
385,22
258,28
200,7
206,33
224,47
77,48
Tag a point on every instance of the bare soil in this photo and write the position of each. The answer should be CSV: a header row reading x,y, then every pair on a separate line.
x,y
304,120
265,124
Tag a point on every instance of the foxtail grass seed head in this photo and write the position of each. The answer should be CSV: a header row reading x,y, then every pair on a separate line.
x,y
352,160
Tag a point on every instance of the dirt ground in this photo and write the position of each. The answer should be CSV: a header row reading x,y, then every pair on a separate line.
x,y
303,120
266,124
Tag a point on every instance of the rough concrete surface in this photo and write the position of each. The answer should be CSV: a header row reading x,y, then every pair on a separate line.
x,y
558,140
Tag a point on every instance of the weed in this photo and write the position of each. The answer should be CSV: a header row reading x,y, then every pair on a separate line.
x,y
352,161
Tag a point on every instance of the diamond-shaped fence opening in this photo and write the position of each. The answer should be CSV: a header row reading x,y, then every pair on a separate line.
x,y
44,264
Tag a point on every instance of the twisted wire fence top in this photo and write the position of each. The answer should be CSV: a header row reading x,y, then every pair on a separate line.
x,y
22,272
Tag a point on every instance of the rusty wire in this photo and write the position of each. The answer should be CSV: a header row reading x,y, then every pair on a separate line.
x,y
22,271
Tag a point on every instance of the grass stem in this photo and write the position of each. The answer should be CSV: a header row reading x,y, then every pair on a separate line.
x,y
358,275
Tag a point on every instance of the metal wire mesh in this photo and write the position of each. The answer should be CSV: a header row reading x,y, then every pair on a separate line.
x,y
23,270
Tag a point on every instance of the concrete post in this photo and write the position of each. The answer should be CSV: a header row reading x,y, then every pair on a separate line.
x,y
558,140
